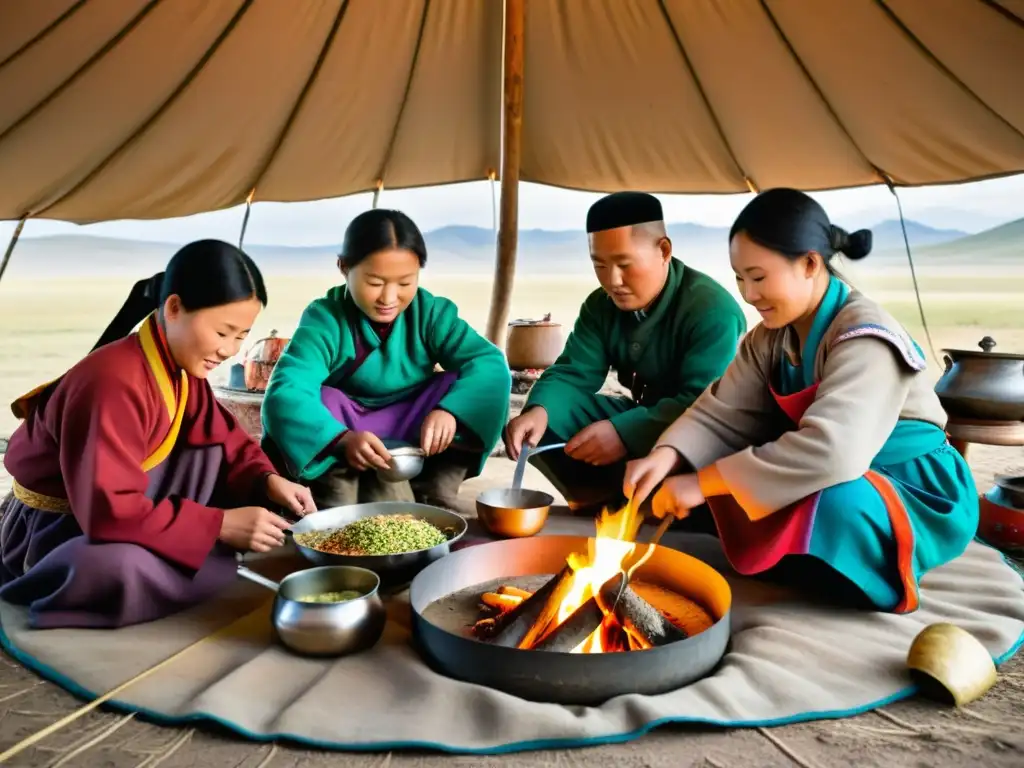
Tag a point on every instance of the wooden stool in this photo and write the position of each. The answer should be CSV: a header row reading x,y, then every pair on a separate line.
x,y
963,432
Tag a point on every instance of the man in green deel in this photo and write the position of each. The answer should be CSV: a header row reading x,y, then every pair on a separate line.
x,y
666,329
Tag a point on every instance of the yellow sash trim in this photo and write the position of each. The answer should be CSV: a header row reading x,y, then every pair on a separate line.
x,y
22,407
156,364
40,500
164,449
175,411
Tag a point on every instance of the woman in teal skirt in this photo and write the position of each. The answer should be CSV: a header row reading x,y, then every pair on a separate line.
x,y
821,452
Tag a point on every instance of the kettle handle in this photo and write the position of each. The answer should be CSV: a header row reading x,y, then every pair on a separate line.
x,y
948,362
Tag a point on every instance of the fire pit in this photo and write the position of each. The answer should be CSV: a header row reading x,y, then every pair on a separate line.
x,y
572,620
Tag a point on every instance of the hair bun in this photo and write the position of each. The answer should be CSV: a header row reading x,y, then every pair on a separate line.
x,y
858,244
838,238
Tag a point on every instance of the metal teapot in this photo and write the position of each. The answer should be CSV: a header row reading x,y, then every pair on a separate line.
x,y
261,359
985,385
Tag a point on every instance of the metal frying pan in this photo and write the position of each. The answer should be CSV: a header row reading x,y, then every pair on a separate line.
x,y
392,569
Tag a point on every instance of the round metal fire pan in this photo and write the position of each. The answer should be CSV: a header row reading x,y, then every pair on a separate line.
x,y
567,678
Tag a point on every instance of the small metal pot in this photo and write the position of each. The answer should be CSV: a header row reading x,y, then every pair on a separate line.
x,y
325,629
1001,515
1009,491
986,385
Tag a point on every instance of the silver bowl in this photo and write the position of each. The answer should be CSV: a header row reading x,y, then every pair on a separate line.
x,y
325,629
406,463
392,569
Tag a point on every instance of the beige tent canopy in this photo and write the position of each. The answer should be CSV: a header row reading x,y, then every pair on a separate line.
x,y
113,109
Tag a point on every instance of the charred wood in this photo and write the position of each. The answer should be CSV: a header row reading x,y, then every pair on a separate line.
x,y
525,624
582,622
638,617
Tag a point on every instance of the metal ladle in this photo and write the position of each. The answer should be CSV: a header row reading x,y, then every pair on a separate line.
x,y
524,456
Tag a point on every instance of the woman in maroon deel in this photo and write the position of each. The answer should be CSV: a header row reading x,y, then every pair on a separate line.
x,y
133,487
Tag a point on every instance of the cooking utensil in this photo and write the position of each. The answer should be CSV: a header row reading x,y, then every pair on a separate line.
x,y
533,344
628,572
513,513
1001,522
517,476
982,385
565,678
1009,491
325,629
524,456
392,569
951,663
660,531
516,511
406,462
260,361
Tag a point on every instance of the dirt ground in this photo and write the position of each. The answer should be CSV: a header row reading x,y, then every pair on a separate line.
x,y
911,734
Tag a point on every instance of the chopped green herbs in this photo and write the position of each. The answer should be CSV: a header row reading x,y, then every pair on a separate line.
x,y
377,535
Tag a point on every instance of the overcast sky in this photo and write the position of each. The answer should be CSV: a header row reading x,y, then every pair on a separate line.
x,y
971,207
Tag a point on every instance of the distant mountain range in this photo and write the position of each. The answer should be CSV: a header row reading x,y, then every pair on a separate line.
x,y
466,249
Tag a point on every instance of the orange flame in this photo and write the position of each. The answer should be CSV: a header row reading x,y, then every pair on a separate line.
x,y
608,553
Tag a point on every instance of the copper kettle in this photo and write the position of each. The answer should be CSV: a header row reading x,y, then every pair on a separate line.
x,y
261,359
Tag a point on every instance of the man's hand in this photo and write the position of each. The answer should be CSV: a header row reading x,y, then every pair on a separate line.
x,y
526,428
597,444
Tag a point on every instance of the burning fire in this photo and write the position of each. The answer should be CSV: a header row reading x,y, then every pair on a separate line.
x,y
592,605
609,552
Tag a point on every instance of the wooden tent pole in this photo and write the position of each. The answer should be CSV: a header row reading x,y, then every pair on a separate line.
x,y
508,232
245,219
10,247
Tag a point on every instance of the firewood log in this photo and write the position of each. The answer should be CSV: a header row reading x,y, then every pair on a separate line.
x,y
523,625
639,617
582,622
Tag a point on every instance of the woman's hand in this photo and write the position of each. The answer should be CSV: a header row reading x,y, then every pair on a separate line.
x,y
364,450
643,475
677,496
252,528
437,432
295,497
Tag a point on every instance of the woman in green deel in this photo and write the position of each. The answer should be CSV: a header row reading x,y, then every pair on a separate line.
x,y
360,375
